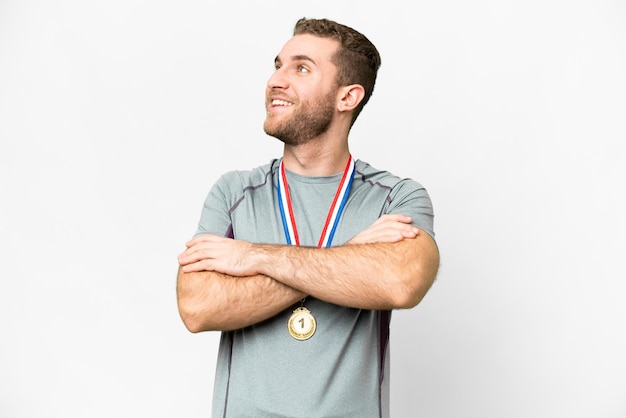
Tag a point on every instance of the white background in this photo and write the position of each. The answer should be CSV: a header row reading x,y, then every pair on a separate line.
x,y
116,117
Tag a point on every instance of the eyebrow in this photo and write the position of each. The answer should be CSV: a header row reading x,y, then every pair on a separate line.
x,y
277,60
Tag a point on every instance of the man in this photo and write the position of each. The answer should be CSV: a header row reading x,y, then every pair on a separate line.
x,y
300,262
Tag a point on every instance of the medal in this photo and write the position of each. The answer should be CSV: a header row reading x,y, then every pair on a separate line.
x,y
301,324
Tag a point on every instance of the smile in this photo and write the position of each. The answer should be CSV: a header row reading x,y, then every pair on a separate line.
x,y
279,102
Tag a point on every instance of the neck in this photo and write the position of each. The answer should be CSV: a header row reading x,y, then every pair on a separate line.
x,y
311,160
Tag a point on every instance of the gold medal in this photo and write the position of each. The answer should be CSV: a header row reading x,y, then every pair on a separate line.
x,y
301,324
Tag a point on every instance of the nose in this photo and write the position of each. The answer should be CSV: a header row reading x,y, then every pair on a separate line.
x,y
278,79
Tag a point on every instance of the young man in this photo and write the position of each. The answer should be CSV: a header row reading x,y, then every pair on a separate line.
x,y
300,262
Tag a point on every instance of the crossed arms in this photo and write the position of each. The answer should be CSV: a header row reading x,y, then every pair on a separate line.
x,y
226,284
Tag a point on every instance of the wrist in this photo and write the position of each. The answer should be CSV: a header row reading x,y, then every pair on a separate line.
x,y
273,260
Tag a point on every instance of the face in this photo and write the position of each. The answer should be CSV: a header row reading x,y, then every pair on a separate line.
x,y
301,94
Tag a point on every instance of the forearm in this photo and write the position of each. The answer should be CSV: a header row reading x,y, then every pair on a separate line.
x,y
369,276
209,301
229,284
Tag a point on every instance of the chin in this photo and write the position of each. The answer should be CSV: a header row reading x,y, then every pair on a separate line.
x,y
271,126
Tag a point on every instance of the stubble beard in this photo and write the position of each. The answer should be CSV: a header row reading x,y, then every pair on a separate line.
x,y
309,121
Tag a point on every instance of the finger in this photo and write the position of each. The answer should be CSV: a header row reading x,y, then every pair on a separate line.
x,y
397,217
195,267
202,238
194,241
194,254
411,232
185,259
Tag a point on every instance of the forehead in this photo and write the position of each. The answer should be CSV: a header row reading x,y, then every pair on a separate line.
x,y
317,49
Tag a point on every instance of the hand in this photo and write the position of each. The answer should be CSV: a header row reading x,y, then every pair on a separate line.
x,y
387,228
214,253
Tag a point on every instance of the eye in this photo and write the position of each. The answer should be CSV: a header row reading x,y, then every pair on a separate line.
x,y
302,69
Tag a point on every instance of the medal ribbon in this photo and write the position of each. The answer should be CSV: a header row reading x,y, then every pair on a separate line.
x,y
334,212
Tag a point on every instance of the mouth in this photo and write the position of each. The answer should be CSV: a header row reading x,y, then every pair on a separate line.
x,y
280,102
276,103
277,100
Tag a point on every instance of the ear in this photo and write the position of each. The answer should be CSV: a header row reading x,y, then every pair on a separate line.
x,y
350,97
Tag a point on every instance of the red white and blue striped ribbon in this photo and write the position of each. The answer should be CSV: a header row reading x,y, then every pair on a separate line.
x,y
334,213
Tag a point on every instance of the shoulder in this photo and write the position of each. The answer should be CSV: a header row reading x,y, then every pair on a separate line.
x,y
401,195
384,179
241,180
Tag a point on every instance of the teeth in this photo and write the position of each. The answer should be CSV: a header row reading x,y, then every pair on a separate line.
x,y
277,102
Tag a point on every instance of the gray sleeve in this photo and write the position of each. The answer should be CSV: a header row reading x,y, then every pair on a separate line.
x,y
215,215
410,198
